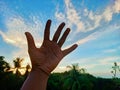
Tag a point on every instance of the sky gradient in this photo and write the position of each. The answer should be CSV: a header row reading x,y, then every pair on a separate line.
x,y
95,27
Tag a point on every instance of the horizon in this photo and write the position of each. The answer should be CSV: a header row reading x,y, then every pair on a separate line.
x,y
95,27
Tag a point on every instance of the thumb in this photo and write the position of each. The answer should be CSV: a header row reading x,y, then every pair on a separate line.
x,y
69,50
30,40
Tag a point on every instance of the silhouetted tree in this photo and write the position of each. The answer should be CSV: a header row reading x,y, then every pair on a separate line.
x,y
75,67
4,66
27,71
72,81
18,66
115,69
55,81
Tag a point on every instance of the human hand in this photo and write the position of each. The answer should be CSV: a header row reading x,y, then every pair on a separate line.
x,y
48,56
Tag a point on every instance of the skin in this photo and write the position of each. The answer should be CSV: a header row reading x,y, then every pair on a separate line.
x,y
45,59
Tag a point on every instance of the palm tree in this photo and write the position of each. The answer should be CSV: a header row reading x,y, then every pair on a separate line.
x,y
28,69
72,81
115,68
76,68
18,66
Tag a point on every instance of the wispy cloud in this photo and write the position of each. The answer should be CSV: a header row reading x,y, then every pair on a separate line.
x,y
105,16
92,20
98,34
70,15
16,27
109,60
110,51
60,69
85,21
91,63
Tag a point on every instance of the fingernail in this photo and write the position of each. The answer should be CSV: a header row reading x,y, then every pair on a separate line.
x,y
63,23
76,45
49,20
26,33
68,29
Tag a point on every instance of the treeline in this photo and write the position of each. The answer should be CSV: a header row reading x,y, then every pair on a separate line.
x,y
74,79
70,81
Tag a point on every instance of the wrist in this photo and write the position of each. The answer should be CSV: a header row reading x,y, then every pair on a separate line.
x,y
40,72
37,80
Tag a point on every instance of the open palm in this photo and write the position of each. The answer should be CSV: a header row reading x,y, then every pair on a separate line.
x,y
47,57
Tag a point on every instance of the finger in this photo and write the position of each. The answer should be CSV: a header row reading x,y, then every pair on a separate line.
x,y
30,40
57,33
47,30
63,38
67,51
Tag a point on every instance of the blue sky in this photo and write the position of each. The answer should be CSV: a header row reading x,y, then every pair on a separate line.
x,y
95,27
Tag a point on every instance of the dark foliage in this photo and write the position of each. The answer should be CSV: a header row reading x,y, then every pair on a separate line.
x,y
73,79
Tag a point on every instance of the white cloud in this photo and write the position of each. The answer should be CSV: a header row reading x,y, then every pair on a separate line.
x,y
60,69
88,38
16,27
98,34
109,60
59,15
93,64
92,20
110,51
106,15
71,17
116,7
110,10
98,17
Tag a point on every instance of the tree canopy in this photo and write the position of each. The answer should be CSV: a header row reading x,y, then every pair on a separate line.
x,y
75,79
